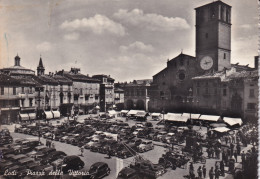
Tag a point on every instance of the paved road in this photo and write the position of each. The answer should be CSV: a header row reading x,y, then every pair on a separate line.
x,y
117,164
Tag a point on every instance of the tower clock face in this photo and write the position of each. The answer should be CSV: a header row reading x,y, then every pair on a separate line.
x,y
206,63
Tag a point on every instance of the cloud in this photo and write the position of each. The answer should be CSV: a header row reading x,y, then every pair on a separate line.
x,y
71,36
137,47
98,24
44,46
153,22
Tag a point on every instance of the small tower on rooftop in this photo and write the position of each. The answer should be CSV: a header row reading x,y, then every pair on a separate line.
x,y
40,68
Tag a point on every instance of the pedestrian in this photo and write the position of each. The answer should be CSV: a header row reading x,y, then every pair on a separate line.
x,y
226,139
199,171
235,155
243,158
222,168
238,149
47,143
191,169
53,145
81,151
204,170
211,173
217,173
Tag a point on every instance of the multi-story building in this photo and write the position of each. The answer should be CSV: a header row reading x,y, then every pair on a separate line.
x,y
86,90
119,98
136,94
17,93
228,93
107,99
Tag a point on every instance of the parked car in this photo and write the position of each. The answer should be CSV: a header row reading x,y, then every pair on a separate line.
x,y
72,162
128,173
145,146
92,142
99,170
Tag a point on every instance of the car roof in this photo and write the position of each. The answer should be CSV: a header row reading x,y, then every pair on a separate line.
x,y
97,164
127,170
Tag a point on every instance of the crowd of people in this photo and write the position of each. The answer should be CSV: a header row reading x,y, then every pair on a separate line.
x,y
229,151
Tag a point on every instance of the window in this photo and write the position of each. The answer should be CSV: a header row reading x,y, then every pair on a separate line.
x,y
22,102
212,10
86,97
96,97
81,91
252,93
251,106
224,92
30,91
14,90
224,55
22,89
30,102
2,90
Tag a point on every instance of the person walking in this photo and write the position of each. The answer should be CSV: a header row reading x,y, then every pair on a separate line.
x,y
235,155
191,170
81,151
211,173
204,170
217,173
199,171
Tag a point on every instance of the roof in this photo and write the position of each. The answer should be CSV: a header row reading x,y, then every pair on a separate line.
x,y
100,76
26,80
193,116
77,77
7,80
241,67
221,129
176,117
62,79
180,56
215,2
232,121
209,118
46,79
228,74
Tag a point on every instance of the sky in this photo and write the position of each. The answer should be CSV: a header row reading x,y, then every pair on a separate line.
x,y
126,39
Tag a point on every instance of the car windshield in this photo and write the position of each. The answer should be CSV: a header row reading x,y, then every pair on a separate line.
x,y
92,169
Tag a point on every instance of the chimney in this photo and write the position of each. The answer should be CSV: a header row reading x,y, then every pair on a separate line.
x,y
256,62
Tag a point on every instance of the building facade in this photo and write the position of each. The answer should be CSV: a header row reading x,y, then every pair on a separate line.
x,y
172,85
107,95
86,90
119,98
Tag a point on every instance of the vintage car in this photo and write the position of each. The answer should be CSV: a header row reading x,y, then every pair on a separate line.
x,y
145,146
99,170
72,162
128,173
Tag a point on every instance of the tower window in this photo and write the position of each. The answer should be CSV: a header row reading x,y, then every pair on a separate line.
x,y
206,35
224,55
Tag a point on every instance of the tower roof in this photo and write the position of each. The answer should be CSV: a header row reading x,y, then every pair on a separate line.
x,y
40,62
215,2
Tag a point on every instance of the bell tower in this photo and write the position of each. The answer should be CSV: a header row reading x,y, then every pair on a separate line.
x,y
213,36
40,68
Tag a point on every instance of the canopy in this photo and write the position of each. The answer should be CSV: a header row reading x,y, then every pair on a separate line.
x,y
233,121
221,129
97,107
156,114
124,111
56,114
209,118
48,114
24,117
176,117
192,116
141,114
134,112
113,112
32,116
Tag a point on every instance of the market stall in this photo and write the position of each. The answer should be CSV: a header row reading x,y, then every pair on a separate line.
x,y
24,117
48,114
56,114
32,116
232,121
